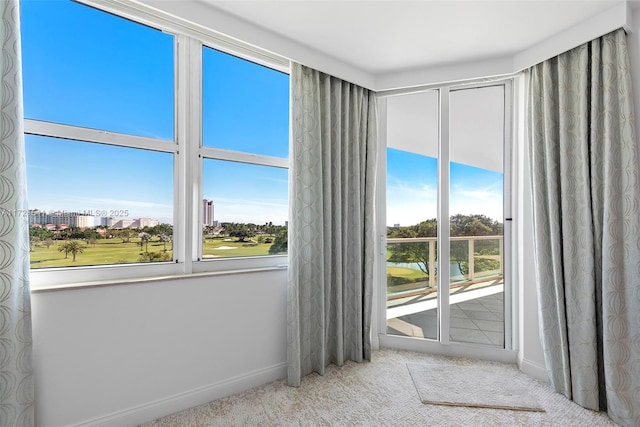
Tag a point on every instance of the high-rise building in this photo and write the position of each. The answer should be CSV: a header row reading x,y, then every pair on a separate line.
x,y
207,212
38,217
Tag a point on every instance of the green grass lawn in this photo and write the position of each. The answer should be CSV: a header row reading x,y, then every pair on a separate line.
x,y
409,273
220,247
104,251
113,251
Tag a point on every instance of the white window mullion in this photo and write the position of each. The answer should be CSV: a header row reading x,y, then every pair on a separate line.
x,y
238,156
78,133
443,218
184,204
195,142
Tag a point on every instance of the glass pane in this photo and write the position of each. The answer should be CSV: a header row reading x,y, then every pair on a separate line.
x,y
88,68
244,209
412,182
476,208
245,106
112,205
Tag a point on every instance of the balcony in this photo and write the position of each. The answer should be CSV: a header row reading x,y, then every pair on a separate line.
x,y
476,288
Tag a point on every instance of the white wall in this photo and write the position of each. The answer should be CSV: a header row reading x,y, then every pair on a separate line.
x,y
121,355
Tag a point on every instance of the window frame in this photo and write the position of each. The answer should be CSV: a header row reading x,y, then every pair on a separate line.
x,y
188,153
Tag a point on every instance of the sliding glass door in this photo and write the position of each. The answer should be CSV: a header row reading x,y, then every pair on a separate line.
x,y
445,257
476,209
412,210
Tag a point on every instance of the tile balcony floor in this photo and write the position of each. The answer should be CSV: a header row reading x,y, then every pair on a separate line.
x,y
478,321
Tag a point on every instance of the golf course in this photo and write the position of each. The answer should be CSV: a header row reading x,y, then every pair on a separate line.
x,y
114,251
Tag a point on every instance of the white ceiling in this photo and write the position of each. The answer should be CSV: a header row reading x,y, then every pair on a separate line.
x,y
383,37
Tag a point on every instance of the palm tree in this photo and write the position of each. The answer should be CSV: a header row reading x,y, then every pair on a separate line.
x,y
63,248
73,247
144,239
164,239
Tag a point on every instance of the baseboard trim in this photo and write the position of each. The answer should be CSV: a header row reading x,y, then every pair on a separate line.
x,y
165,406
533,370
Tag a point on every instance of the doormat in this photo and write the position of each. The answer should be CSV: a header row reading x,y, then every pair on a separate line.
x,y
476,386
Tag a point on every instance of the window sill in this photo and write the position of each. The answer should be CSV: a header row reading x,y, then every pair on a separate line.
x,y
152,279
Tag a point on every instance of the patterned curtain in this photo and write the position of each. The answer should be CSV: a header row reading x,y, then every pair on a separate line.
x,y
331,222
16,377
586,194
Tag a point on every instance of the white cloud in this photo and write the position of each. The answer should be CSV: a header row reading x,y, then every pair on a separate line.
x,y
408,204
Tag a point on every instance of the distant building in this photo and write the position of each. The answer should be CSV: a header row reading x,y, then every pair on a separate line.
x,y
58,218
144,222
104,221
84,221
38,217
134,223
207,212
123,223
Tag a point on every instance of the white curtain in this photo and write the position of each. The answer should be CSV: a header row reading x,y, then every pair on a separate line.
x,y
331,222
16,377
586,194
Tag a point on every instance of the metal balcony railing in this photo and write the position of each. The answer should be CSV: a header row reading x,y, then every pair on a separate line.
x,y
470,259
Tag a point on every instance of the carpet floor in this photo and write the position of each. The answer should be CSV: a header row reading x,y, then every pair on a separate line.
x,y
380,393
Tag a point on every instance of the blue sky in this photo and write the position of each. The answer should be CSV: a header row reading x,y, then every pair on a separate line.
x,y
88,68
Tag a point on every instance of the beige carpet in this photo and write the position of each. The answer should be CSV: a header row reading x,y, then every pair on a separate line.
x,y
477,386
380,393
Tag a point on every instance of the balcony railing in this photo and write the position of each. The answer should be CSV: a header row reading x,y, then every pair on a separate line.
x,y
460,256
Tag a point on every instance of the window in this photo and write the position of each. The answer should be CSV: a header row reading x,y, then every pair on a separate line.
x,y
138,169
96,197
249,216
446,180
245,131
